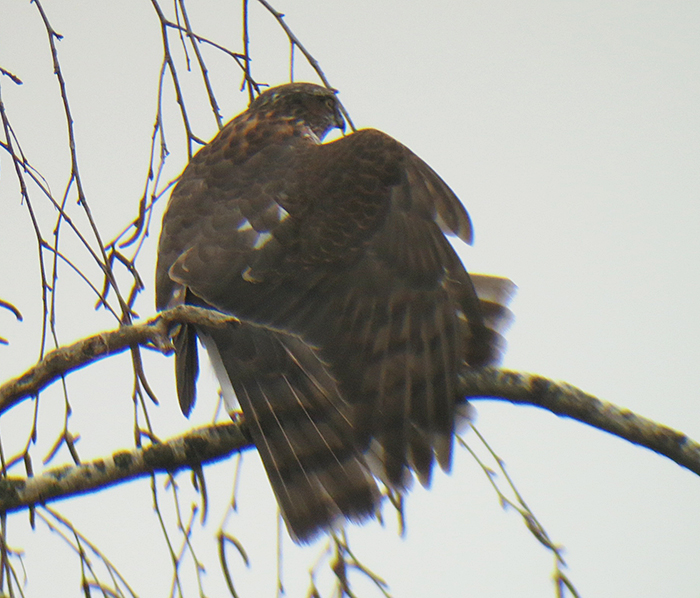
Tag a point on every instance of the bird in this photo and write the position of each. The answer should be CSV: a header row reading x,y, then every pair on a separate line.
x,y
354,314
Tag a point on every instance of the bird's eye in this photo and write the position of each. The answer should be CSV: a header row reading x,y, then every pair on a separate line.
x,y
330,103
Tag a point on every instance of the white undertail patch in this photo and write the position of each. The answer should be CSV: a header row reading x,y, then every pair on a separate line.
x,y
230,399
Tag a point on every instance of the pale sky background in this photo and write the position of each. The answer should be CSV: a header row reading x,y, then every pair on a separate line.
x,y
571,131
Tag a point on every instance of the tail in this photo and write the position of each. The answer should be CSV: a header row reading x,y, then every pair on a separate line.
x,y
486,344
300,424
306,432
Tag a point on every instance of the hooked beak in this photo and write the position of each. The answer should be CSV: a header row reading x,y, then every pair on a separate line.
x,y
339,119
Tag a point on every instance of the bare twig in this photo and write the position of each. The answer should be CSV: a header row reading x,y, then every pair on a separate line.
x,y
294,40
142,220
14,78
200,38
519,505
202,66
19,164
171,550
75,173
224,539
246,55
77,543
7,305
191,137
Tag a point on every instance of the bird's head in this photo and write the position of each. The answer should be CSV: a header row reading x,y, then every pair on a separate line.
x,y
307,104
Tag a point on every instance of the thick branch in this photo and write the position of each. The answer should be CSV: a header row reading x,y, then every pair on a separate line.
x,y
216,442
566,400
57,363
199,446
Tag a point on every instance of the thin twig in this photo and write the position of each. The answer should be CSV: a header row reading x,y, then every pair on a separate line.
x,y
19,164
279,17
207,41
112,570
191,137
202,66
13,78
7,305
75,173
246,55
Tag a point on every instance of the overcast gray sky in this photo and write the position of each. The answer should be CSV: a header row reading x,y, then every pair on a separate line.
x,y
571,131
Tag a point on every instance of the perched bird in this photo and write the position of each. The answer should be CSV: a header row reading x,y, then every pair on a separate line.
x,y
356,314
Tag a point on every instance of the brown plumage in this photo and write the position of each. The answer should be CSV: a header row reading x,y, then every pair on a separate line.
x,y
356,313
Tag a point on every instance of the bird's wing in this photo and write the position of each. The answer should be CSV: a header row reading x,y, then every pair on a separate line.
x,y
342,247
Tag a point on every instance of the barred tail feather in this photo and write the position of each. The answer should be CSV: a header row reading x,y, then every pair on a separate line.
x,y
486,343
301,426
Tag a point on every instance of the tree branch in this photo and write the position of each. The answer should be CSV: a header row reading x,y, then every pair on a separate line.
x,y
218,441
566,400
202,445
57,363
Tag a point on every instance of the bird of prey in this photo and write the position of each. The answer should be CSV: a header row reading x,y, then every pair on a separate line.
x,y
355,313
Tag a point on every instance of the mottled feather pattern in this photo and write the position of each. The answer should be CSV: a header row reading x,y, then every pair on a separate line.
x,y
356,313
